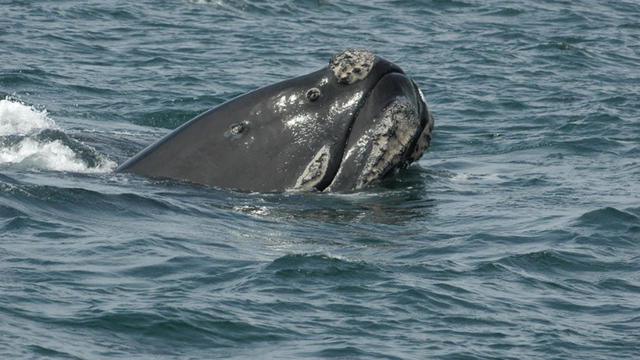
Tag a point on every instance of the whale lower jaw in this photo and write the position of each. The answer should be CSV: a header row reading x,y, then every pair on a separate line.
x,y
390,141
387,145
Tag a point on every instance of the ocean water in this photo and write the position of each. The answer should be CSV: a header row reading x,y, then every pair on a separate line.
x,y
516,236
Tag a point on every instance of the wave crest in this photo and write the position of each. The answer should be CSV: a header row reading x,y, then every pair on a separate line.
x,y
30,139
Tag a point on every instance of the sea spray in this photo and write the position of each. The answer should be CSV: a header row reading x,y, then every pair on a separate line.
x,y
30,139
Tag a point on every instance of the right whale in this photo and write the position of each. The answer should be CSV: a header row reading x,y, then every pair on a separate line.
x,y
339,129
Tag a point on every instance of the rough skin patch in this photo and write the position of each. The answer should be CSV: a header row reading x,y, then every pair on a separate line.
x,y
236,130
315,170
390,140
351,65
424,140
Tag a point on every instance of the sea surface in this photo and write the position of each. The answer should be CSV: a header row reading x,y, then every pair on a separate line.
x,y
516,236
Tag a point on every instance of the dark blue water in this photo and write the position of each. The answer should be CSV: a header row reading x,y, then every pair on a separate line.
x,y
516,236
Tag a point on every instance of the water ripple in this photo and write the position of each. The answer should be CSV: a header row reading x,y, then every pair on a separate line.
x,y
514,237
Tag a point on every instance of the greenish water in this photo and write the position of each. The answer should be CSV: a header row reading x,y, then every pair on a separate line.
x,y
517,236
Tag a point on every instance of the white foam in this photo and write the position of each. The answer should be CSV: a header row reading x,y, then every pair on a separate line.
x,y
52,155
20,119
17,119
460,177
478,178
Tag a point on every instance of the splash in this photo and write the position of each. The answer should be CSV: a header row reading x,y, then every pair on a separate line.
x,y
30,139
19,119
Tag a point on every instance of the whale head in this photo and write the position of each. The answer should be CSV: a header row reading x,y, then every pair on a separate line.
x,y
339,128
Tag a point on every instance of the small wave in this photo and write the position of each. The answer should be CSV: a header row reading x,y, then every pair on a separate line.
x,y
30,139
216,2
609,216
610,219
49,351
320,266
541,264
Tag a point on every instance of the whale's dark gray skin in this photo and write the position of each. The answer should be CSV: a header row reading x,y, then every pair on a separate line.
x,y
337,129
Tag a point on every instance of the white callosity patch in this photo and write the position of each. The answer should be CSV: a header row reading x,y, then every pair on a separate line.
x,y
423,140
390,139
351,65
22,125
315,170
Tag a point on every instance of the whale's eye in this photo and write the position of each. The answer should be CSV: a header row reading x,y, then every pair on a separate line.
x,y
313,94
